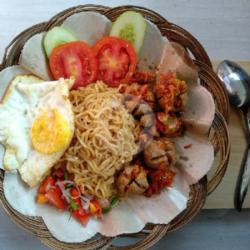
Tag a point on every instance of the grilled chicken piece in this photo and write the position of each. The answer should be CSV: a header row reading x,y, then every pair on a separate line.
x,y
160,154
169,124
132,180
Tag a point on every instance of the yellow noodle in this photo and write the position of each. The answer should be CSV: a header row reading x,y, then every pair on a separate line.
x,y
104,139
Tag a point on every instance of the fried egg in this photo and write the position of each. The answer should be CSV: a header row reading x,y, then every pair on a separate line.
x,y
36,125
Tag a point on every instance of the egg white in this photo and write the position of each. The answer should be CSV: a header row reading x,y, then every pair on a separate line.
x,y
14,124
24,101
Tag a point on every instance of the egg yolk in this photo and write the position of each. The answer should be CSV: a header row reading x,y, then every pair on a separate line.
x,y
50,132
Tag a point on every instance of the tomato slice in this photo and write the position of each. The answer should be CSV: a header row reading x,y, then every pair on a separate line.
x,y
54,197
116,59
46,184
74,59
74,193
82,216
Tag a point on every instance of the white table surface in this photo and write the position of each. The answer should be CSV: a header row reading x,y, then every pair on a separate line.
x,y
223,27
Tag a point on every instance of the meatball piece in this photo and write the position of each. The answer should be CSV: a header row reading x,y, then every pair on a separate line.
x,y
132,180
143,109
144,140
153,131
170,150
160,154
147,121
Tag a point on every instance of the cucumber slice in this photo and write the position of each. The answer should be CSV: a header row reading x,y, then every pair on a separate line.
x,y
55,37
130,26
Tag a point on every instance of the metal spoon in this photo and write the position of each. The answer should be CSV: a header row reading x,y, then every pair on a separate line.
x,y
237,83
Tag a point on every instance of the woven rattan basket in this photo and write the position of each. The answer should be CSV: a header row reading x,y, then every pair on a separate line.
x,y
218,132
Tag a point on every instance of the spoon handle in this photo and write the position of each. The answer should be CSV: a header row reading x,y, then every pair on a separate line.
x,y
246,117
244,174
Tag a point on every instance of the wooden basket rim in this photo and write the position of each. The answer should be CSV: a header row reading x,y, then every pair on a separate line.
x,y
157,231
